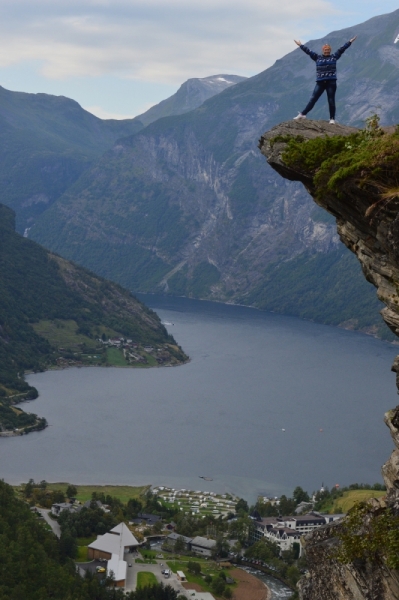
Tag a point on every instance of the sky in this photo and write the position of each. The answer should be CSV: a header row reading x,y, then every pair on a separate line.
x,y
119,57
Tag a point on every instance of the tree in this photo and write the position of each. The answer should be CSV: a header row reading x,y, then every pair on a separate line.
x,y
194,567
71,491
300,495
218,586
68,546
157,527
287,506
239,529
134,506
28,489
57,496
293,575
266,509
242,505
263,550
180,544
296,548
221,548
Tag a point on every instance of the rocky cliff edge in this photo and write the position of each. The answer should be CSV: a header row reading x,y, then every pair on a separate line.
x,y
353,175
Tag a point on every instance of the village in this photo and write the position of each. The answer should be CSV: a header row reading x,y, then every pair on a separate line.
x,y
114,351
205,545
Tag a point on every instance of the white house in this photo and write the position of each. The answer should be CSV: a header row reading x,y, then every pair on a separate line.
x,y
112,546
285,531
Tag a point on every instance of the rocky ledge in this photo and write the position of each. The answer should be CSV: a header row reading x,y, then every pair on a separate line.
x,y
362,193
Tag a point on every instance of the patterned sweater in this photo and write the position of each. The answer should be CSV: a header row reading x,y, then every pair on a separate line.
x,y
326,66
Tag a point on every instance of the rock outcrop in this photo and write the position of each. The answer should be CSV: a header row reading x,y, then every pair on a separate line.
x,y
368,224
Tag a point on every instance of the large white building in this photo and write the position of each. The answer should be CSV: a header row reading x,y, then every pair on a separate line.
x,y
113,546
285,531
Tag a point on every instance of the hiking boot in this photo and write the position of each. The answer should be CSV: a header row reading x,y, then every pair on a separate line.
x,y
332,122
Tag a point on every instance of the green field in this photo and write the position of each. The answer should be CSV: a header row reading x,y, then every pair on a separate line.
x,y
145,578
85,541
149,553
122,492
352,497
82,554
151,360
115,358
146,561
63,333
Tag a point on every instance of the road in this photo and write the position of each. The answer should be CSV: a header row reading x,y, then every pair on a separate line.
x,y
53,524
131,578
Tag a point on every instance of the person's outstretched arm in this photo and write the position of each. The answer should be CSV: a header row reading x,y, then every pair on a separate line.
x,y
306,50
341,50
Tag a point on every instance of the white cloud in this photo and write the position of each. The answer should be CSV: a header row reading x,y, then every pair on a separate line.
x,y
154,40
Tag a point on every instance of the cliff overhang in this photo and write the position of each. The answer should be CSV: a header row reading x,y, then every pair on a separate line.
x,y
354,175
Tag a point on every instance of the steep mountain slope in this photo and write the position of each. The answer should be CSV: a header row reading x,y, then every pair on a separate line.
x,y
187,207
52,311
46,142
354,176
191,94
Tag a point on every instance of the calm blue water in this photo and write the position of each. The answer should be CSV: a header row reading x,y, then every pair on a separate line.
x,y
251,376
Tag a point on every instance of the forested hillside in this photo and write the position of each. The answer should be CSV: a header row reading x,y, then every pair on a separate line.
x,y
52,311
35,566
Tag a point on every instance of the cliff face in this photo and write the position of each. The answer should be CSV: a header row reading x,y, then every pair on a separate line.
x,y
355,181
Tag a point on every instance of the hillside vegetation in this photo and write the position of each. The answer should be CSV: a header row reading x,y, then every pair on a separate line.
x,y
352,497
52,311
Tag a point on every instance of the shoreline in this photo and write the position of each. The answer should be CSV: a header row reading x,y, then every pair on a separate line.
x,y
21,432
348,327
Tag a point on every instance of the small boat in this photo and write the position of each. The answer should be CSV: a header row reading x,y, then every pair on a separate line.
x,y
205,478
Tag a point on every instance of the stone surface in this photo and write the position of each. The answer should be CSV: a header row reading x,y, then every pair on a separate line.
x,y
374,238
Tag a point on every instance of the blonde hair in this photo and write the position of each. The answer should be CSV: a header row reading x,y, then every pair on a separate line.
x,y
326,46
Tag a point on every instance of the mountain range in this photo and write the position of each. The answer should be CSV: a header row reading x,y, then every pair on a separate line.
x,y
186,206
191,94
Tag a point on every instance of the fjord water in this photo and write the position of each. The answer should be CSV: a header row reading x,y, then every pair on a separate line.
x,y
267,403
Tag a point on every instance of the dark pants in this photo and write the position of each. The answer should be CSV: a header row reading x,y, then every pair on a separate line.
x,y
330,86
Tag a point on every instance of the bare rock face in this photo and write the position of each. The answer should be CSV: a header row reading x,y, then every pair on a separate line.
x,y
375,241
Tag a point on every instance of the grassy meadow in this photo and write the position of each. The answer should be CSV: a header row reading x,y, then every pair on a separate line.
x,y
122,492
352,497
145,578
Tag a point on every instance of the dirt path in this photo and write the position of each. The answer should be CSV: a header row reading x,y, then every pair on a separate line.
x,y
248,588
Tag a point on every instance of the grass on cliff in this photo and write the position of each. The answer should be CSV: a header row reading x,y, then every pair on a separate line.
x,y
349,499
371,157
352,497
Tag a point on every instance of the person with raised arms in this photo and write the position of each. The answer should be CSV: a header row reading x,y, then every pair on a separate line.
x,y
326,76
